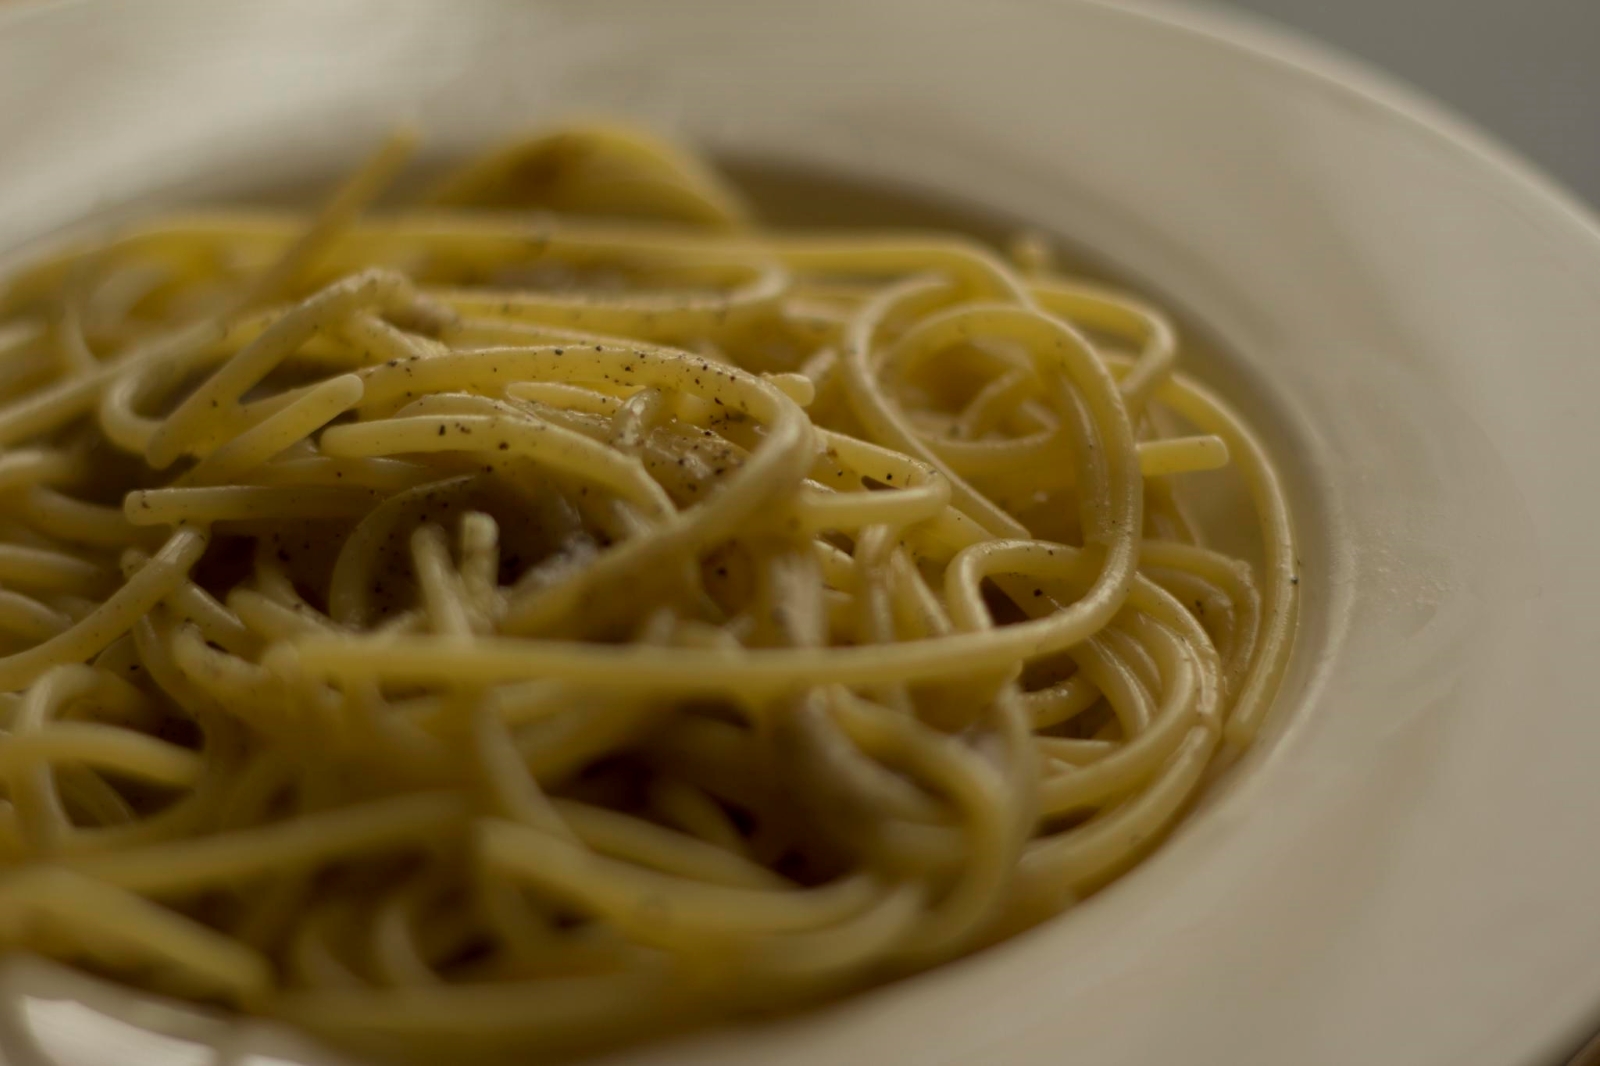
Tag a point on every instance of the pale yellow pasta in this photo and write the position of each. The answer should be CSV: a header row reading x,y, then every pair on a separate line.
x,y
563,611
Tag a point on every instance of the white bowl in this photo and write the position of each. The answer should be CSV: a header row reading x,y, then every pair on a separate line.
x,y
1407,871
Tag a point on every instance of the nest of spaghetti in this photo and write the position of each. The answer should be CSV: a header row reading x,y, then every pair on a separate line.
x,y
560,610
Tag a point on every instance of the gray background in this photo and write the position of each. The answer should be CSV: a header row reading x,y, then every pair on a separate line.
x,y
1527,70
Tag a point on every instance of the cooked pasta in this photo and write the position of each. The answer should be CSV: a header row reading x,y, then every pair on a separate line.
x,y
560,610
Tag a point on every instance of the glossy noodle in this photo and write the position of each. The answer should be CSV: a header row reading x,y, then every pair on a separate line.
x,y
560,611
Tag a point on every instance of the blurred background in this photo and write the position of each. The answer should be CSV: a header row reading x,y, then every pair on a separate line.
x,y
1527,70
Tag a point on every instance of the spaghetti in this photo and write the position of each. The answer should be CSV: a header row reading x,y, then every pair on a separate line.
x,y
560,611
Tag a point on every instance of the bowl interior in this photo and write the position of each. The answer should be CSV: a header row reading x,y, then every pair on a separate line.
x,y
1408,317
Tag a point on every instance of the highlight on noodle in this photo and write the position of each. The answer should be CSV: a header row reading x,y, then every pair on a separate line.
x,y
559,610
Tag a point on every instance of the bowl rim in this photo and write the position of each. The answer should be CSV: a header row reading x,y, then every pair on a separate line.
x,y
1542,200
1271,43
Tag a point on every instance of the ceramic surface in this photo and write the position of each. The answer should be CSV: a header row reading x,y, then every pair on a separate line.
x,y
1406,871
